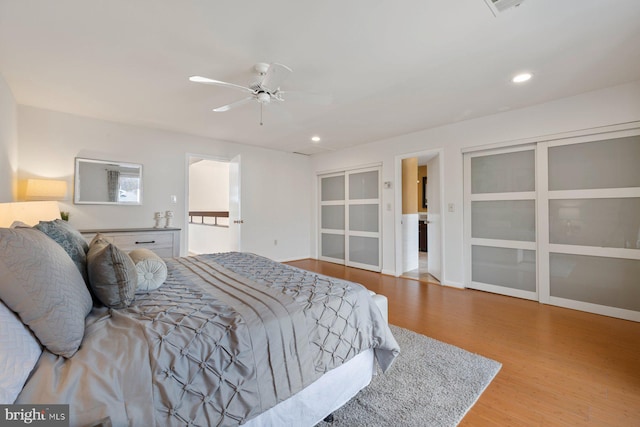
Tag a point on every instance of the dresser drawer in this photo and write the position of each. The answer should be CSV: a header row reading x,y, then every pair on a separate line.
x,y
130,242
164,242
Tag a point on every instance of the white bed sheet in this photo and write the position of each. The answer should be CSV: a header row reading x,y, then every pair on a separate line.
x,y
322,397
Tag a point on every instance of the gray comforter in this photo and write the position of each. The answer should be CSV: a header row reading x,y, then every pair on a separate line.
x,y
227,337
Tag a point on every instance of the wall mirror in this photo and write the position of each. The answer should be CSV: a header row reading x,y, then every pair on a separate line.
x,y
102,182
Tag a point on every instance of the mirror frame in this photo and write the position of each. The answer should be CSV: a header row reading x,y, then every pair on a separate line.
x,y
77,182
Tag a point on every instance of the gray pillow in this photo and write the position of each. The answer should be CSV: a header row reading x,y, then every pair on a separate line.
x,y
112,274
39,281
71,241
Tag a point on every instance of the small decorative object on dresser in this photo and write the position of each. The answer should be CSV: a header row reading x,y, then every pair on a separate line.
x,y
165,242
169,217
158,217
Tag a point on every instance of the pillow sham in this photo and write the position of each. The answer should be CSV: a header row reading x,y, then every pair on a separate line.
x,y
151,269
112,274
70,239
19,352
42,285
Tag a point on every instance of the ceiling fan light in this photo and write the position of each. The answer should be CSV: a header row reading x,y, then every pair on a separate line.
x,y
315,138
263,97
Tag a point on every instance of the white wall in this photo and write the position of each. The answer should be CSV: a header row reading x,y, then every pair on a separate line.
x,y
614,105
8,143
276,186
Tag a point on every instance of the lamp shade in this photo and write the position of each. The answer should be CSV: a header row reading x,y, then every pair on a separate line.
x,y
46,189
28,212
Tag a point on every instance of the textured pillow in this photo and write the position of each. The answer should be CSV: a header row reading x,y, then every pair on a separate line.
x,y
152,270
19,352
112,274
70,239
41,284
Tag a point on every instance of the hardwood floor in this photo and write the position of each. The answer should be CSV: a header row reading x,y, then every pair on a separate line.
x,y
561,367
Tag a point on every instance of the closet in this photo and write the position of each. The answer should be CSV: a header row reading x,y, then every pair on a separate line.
x,y
557,221
350,219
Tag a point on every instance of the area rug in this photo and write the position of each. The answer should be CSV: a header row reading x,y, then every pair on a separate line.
x,y
431,384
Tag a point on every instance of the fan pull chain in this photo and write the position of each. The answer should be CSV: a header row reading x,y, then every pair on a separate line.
x,y
261,114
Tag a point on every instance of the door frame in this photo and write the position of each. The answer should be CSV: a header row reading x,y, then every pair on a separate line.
x,y
398,248
188,157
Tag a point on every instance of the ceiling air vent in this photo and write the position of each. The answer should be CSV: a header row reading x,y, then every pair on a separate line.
x,y
498,6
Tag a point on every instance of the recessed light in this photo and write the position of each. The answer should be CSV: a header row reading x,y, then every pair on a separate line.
x,y
522,77
315,138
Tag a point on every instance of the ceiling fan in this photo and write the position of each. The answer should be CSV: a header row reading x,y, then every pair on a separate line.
x,y
264,89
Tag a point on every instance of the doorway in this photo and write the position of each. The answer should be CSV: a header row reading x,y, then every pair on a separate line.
x,y
212,204
418,224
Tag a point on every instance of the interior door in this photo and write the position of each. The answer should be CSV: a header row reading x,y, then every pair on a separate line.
x,y
434,219
235,218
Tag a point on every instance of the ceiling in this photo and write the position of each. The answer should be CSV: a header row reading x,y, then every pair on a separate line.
x,y
390,68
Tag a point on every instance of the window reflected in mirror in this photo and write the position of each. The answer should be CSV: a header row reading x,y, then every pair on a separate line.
x,y
107,182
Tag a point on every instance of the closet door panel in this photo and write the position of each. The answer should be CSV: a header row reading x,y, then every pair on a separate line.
x,y
608,223
504,220
332,246
503,173
611,282
504,267
332,217
332,188
611,163
364,250
364,217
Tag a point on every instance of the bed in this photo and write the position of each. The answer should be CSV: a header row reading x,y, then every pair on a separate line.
x,y
224,339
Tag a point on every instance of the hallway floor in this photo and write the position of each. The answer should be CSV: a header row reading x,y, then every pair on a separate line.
x,y
421,273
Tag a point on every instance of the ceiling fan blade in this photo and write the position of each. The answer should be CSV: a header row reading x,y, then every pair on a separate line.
x,y
208,81
276,74
233,105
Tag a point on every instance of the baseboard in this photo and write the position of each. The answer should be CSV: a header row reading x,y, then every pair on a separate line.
x,y
453,284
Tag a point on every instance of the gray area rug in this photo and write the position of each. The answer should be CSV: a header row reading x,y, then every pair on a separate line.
x,y
430,384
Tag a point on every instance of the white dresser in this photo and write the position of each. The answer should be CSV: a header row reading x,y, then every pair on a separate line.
x,y
163,241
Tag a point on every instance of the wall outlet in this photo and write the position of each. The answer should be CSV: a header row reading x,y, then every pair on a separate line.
x,y
275,243
452,207
173,199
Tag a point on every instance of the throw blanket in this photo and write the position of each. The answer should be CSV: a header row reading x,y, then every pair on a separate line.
x,y
227,337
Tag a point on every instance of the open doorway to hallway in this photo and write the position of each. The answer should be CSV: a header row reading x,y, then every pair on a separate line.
x,y
419,251
208,206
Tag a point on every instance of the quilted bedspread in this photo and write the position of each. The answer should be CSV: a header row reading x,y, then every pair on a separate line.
x,y
227,337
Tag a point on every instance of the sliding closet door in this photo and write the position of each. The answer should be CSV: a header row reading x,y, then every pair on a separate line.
x,y
500,221
592,212
350,218
363,219
332,218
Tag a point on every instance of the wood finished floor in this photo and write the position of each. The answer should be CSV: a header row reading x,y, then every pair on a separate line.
x,y
560,367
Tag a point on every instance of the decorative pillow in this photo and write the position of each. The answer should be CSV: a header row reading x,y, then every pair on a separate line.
x,y
19,224
112,274
70,239
41,284
19,352
152,270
